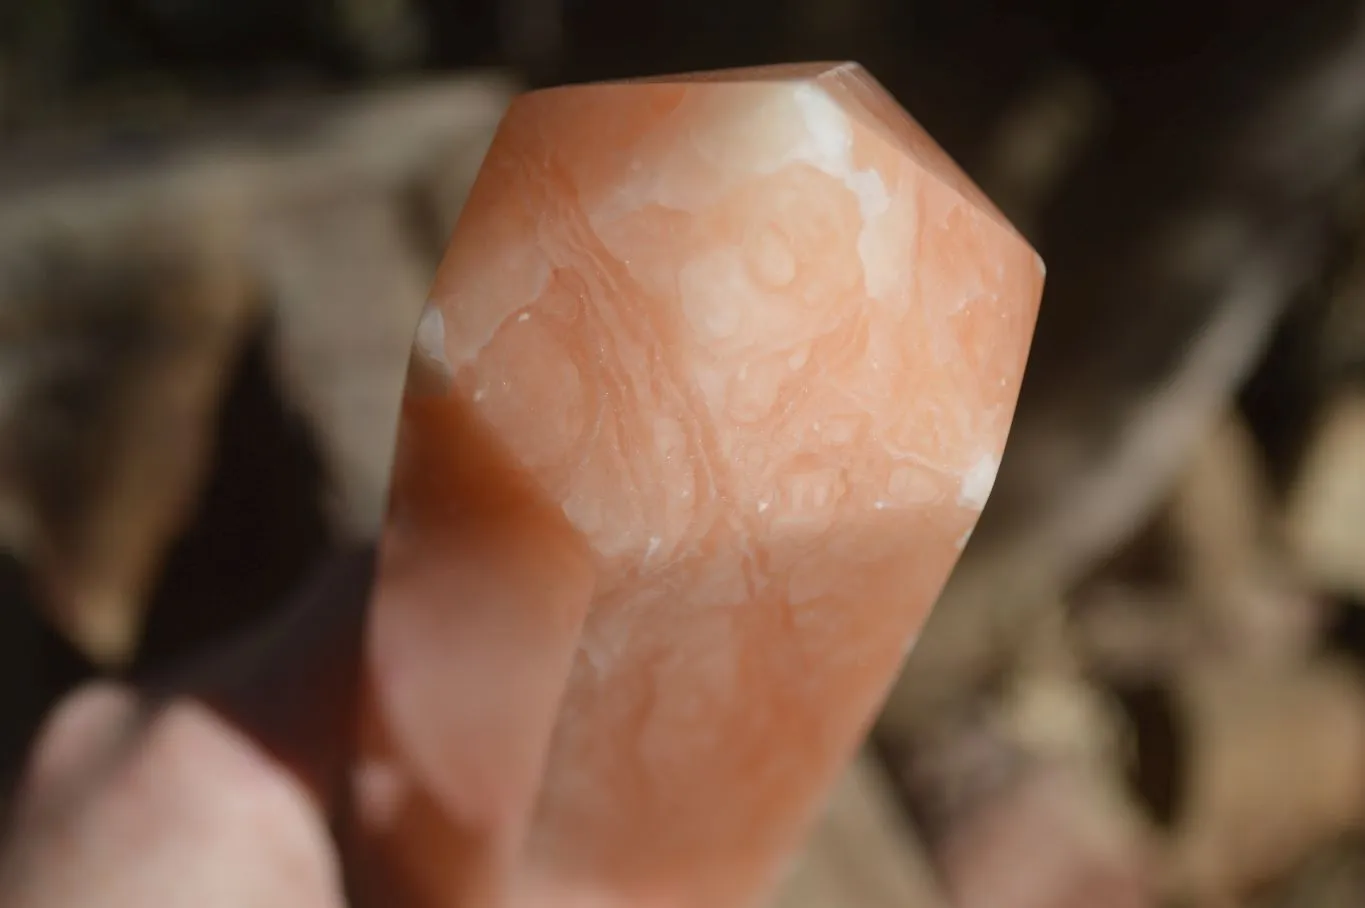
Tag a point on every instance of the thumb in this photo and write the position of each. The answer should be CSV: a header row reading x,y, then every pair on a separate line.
x,y
177,810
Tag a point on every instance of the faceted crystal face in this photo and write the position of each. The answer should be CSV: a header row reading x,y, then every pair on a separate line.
x,y
759,341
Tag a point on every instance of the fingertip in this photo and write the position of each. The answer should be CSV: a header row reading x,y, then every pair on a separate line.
x,y
80,735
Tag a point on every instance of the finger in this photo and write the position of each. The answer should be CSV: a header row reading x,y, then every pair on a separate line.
x,y
194,814
79,740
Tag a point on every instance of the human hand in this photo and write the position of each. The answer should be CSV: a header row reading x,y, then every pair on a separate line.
x,y
175,808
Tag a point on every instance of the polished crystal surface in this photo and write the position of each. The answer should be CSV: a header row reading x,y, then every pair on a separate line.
x,y
713,384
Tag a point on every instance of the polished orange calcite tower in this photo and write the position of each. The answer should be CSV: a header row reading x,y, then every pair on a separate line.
x,y
714,381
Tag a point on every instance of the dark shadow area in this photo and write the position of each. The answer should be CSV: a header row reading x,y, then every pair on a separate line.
x,y
1160,754
260,527
37,667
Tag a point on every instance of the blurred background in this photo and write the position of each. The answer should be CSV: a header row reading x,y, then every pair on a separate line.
x,y
1143,686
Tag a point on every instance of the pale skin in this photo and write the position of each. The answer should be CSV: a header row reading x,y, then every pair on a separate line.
x,y
185,811
218,787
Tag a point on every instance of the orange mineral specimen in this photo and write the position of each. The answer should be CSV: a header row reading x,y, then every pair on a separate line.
x,y
729,363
